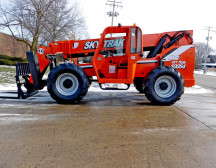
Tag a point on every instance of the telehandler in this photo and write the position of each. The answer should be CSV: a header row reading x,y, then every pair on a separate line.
x,y
159,65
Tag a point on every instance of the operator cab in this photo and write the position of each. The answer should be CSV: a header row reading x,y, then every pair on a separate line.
x,y
117,53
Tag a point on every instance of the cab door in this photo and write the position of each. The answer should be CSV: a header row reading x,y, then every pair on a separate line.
x,y
117,53
135,53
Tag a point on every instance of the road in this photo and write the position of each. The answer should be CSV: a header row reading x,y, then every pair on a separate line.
x,y
206,81
108,129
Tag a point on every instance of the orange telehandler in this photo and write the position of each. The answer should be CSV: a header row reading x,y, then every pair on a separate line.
x,y
159,65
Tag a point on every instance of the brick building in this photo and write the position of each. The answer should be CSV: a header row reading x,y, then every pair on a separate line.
x,y
11,47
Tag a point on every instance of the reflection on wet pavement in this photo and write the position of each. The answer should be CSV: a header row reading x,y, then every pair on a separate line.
x,y
106,130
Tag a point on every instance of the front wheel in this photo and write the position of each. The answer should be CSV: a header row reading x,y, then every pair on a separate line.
x,y
67,83
164,85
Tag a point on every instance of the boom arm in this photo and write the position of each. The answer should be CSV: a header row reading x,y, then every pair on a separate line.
x,y
82,48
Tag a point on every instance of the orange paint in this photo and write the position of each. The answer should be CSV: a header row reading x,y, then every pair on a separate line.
x,y
127,61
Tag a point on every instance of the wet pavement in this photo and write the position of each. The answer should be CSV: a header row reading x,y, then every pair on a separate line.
x,y
206,81
108,129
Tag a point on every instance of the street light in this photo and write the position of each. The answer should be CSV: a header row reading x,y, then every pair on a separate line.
x,y
207,48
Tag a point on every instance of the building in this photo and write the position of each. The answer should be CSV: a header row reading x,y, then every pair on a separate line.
x,y
11,47
210,62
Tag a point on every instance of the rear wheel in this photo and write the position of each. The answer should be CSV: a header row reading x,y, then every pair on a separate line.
x,y
67,83
139,84
164,85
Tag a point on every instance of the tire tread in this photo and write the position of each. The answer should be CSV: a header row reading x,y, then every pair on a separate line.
x,y
149,85
72,68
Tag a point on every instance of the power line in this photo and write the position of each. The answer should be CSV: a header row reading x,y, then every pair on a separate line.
x,y
113,13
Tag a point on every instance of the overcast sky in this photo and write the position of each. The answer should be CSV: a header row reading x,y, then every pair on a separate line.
x,y
154,16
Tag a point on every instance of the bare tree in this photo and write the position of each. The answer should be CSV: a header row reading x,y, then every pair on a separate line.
x,y
201,52
39,21
63,23
24,19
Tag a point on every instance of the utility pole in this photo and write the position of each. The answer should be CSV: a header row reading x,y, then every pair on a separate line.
x,y
207,46
113,3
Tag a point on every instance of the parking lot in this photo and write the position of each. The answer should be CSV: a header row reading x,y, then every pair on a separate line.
x,y
108,129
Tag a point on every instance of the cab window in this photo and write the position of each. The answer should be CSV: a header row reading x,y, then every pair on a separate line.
x,y
115,42
136,40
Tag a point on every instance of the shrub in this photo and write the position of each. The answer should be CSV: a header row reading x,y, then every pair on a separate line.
x,y
6,60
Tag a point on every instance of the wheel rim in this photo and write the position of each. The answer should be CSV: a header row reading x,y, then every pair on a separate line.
x,y
67,84
165,86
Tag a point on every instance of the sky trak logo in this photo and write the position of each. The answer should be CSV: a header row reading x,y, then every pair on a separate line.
x,y
108,44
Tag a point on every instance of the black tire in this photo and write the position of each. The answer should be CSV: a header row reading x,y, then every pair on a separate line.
x,y
139,84
67,83
164,85
90,79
